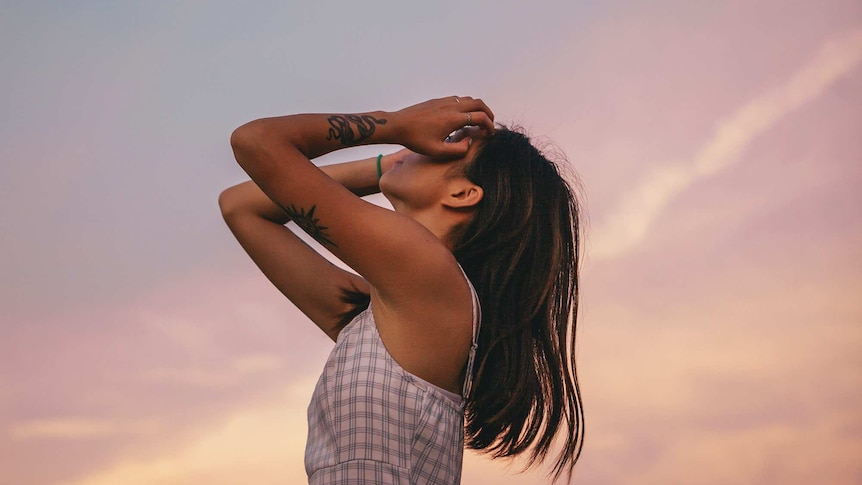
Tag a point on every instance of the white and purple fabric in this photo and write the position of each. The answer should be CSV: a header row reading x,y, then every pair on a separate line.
x,y
372,422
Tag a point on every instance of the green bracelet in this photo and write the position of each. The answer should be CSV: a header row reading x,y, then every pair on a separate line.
x,y
379,171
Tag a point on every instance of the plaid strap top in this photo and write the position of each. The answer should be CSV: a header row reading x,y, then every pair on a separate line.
x,y
372,422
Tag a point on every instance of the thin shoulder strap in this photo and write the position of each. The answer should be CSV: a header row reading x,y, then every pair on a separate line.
x,y
477,322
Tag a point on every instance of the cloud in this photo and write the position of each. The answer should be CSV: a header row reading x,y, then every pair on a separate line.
x,y
260,443
79,428
629,224
746,377
205,377
782,453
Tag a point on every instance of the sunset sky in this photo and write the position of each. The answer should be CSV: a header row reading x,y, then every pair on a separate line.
x,y
718,145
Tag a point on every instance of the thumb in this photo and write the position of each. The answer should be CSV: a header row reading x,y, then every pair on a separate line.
x,y
454,149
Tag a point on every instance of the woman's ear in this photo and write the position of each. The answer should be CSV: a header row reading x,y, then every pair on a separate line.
x,y
463,194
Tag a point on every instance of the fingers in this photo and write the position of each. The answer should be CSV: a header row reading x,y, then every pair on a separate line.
x,y
468,104
476,113
459,135
479,105
452,149
463,118
481,120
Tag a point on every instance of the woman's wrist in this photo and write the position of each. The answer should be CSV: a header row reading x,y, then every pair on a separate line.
x,y
386,131
349,130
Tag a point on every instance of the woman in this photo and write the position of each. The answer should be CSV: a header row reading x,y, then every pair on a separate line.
x,y
480,216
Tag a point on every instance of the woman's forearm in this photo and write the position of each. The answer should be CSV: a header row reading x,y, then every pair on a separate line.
x,y
315,135
359,176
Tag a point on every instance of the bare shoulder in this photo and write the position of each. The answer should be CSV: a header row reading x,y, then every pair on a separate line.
x,y
429,335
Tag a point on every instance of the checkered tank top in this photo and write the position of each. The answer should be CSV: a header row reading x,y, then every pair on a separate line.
x,y
372,422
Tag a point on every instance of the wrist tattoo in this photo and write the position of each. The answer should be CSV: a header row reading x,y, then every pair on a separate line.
x,y
309,223
341,128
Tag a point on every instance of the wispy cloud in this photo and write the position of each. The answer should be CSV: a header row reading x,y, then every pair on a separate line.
x,y
629,224
261,443
242,367
79,428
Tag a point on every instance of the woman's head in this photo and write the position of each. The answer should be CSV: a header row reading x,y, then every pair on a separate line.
x,y
436,192
521,250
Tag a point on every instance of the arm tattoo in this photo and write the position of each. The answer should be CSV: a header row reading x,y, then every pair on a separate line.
x,y
309,223
341,129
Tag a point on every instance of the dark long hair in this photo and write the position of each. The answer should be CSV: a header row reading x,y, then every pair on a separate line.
x,y
521,250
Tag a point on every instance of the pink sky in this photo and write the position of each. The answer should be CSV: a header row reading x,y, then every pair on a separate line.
x,y
718,146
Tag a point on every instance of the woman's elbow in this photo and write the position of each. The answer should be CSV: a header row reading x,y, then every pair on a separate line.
x,y
246,135
227,203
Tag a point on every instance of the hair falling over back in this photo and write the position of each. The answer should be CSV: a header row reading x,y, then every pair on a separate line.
x,y
521,251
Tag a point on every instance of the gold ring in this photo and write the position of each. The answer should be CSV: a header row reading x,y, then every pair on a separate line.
x,y
457,99
469,119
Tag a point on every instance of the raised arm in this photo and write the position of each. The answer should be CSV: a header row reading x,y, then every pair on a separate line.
x,y
308,279
396,254
359,177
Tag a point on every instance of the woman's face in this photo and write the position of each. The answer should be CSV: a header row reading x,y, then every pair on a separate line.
x,y
416,182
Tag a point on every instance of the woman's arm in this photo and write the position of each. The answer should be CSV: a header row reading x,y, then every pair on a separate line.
x,y
397,255
422,128
359,177
305,277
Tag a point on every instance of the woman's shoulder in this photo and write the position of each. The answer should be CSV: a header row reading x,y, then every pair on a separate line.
x,y
430,334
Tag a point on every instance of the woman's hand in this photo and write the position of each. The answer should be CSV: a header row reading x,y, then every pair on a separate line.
x,y
423,127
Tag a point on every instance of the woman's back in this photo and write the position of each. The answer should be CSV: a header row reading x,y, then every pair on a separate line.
x,y
371,421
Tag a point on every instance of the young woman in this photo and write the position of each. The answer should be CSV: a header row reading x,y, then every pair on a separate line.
x,y
480,216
